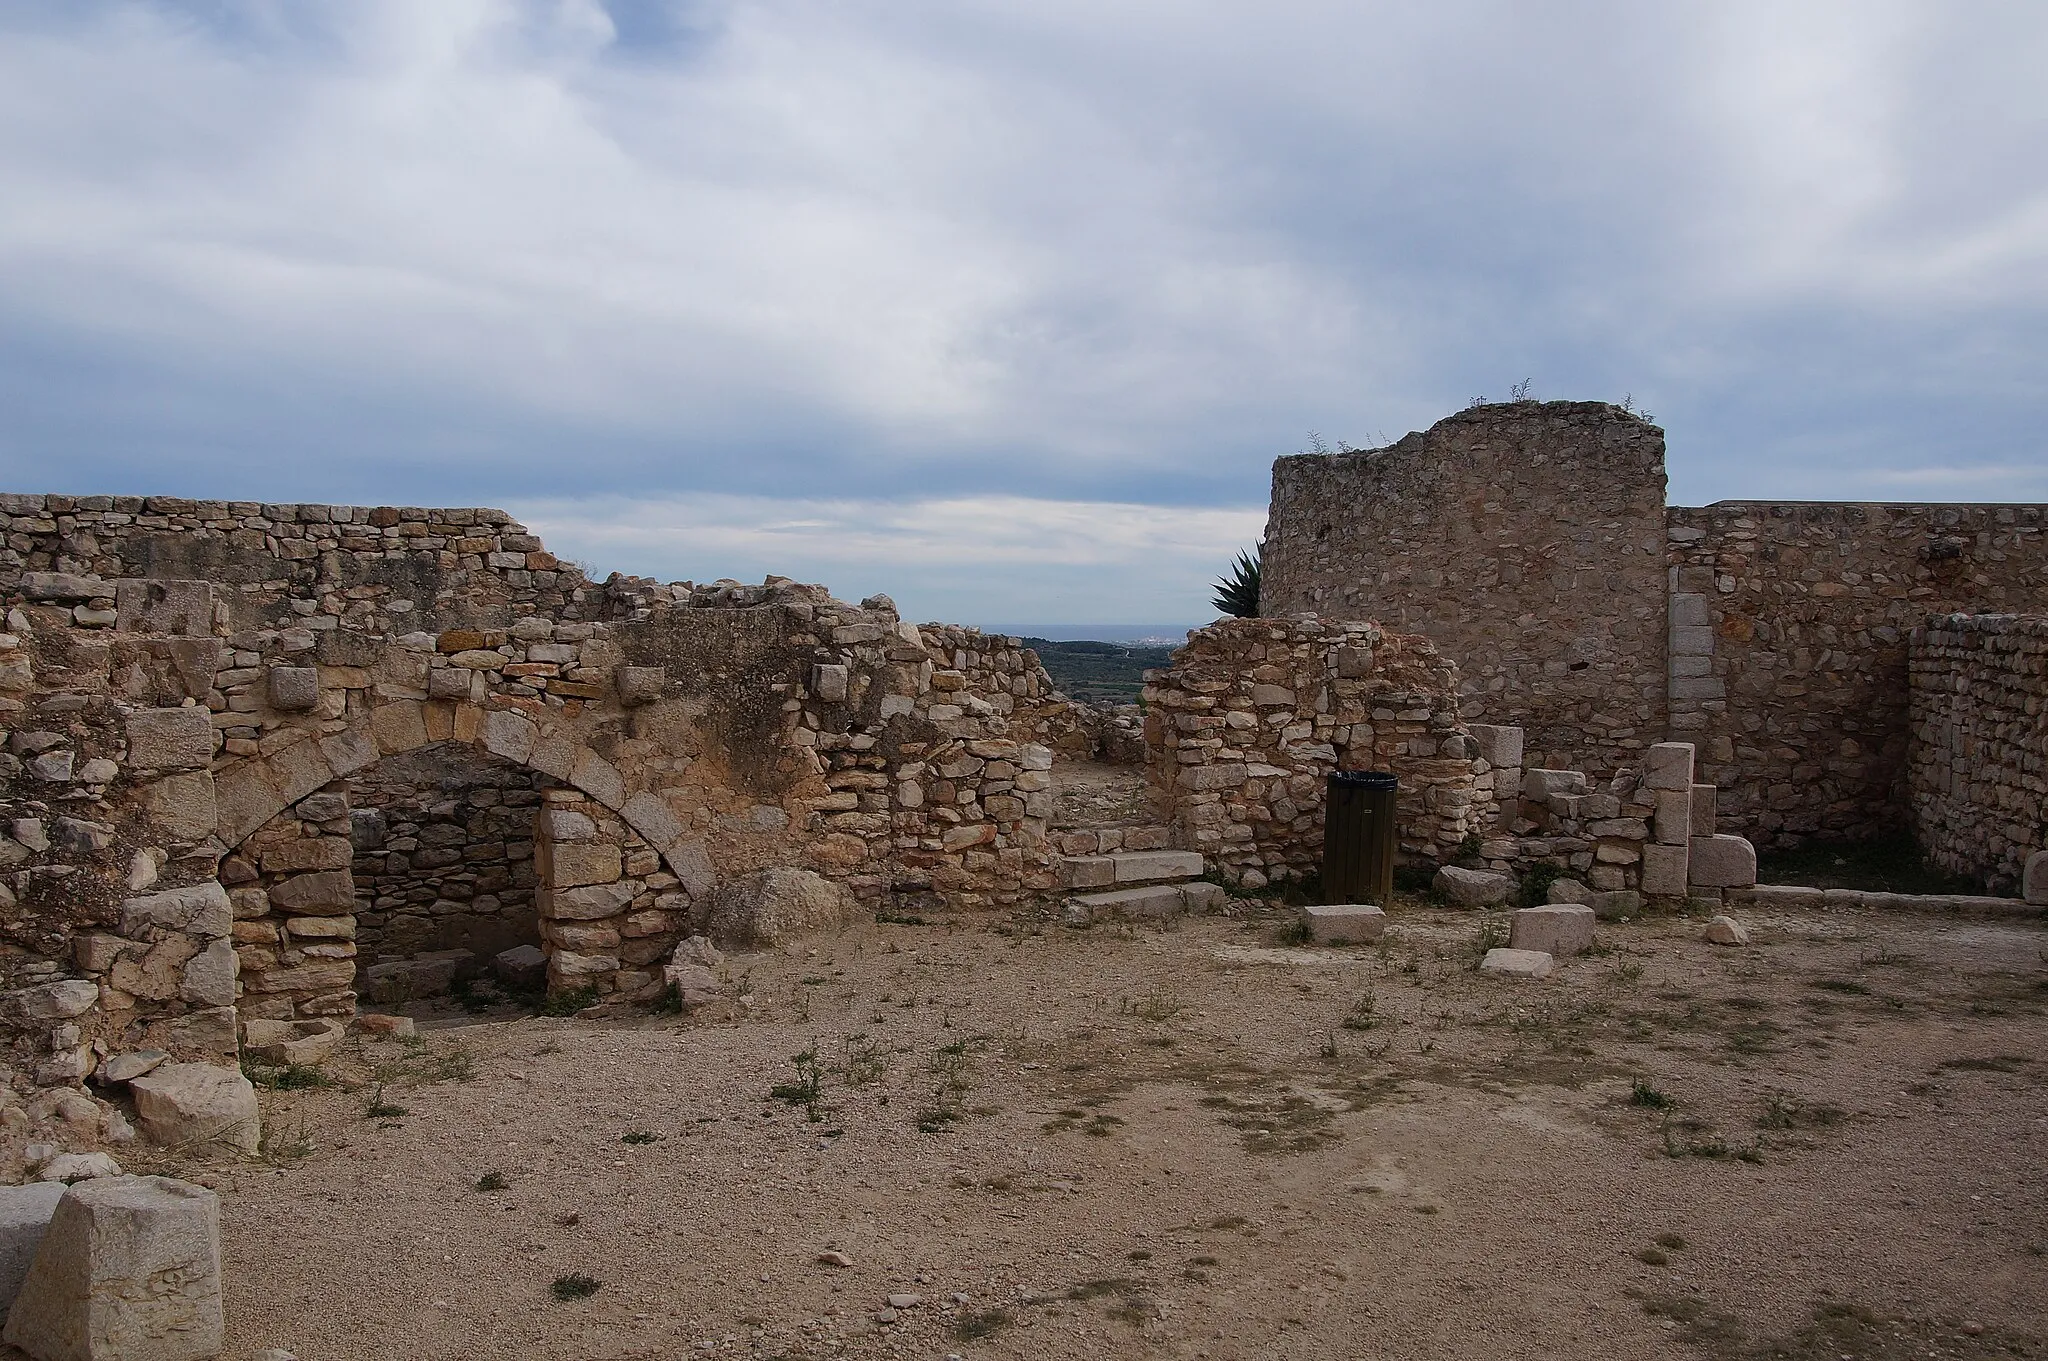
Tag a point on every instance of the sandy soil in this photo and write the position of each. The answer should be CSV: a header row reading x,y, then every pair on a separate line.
x,y
1169,1143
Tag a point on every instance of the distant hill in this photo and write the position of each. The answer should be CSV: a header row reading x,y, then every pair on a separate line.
x,y
1094,671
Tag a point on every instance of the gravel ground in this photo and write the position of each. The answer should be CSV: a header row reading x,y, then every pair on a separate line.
x,y
1195,1142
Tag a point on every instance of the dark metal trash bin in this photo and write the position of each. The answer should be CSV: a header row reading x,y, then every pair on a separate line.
x,y
1358,837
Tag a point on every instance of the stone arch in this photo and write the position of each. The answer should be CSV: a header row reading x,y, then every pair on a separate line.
x,y
322,979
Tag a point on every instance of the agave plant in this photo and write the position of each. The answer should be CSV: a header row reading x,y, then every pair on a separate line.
x,y
1237,595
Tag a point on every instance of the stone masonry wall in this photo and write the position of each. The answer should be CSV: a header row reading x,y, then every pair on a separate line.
x,y
1525,539
1789,637
1254,714
1978,764
443,842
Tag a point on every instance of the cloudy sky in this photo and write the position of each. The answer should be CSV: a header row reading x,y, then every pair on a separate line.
x,y
1002,306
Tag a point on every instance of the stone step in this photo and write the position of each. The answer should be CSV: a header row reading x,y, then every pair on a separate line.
x,y
1128,867
1148,902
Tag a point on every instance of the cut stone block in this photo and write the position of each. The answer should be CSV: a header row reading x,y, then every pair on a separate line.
x,y
1674,817
1087,871
291,1042
1499,746
1200,897
1517,963
1722,862
1727,931
1473,888
24,1215
181,1104
1705,809
1344,923
1664,871
1668,765
1616,904
1141,867
1567,891
294,689
1152,901
170,739
2034,883
523,967
1558,929
128,1269
1544,785
401,980
1782,896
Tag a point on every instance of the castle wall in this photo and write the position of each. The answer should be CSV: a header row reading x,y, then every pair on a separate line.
x,y
1789,637
1977,767
1526,540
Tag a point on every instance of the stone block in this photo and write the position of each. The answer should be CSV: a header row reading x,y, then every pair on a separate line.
x,y
2034,883
1086,871
1674,816
208,979
170,739
1664,871
294,689
52,586
451,682
1616,904
1782,897
1557,929
1199,897
1722,862
589,903
566,824
181,608
574,865
1544,785
1517,963
24,1215
1499,746
1473,888
639,685
182,808
128,1067
291,1042
1705,809
1727,931
401,980
1140,867
185,1104
1151,902
828,682
1567,891
309,853
322,893
128,1270
1343,923
523,968
774,906
1668,765
58,1001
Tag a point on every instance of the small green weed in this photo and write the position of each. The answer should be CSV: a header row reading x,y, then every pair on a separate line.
x,y
569,1001
1643,1094
575,1286
492,1181
639,1136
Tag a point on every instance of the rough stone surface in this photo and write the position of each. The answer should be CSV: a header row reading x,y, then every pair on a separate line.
x,y
1721,862
292,1042
1517,963
184,1104
128,1270
24,1215
1344,924
2035,885
1558,930
772,906
1567,891
1473,888
1727,931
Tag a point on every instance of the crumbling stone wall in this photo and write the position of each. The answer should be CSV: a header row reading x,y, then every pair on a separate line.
x,y
1789,638
1978,768
443,853
1526,540
1254,715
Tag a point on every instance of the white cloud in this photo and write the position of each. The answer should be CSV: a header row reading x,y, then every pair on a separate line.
x,y
972,559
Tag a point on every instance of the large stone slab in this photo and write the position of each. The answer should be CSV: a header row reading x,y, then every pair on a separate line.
x,y
202,910
170,739
1517,963
1558,929
24,1216
1722,861
1142,867
1668,765
1147,901
775,905
1473,888
1664,871
1499,746
128,1270
182,1104
1343,923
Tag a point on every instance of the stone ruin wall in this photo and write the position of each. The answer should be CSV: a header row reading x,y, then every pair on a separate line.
x,y
1253,716
1524,539
187,756
1978,762
1790,630
1531,543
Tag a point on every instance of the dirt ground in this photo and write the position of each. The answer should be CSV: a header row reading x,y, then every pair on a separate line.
x,y
1200,1141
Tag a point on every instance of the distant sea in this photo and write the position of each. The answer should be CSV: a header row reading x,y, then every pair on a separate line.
x,y
1136,635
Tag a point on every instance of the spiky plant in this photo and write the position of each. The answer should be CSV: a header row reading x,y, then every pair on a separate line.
x,y
1237,595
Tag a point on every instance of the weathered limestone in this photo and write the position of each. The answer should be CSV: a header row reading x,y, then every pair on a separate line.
x,y
1721,862
774,906
181,1104
25,1213
1344,924
1724,930
1517,963
128,1270
2035,883
1979,687
1557,930
1473,888
292,1042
